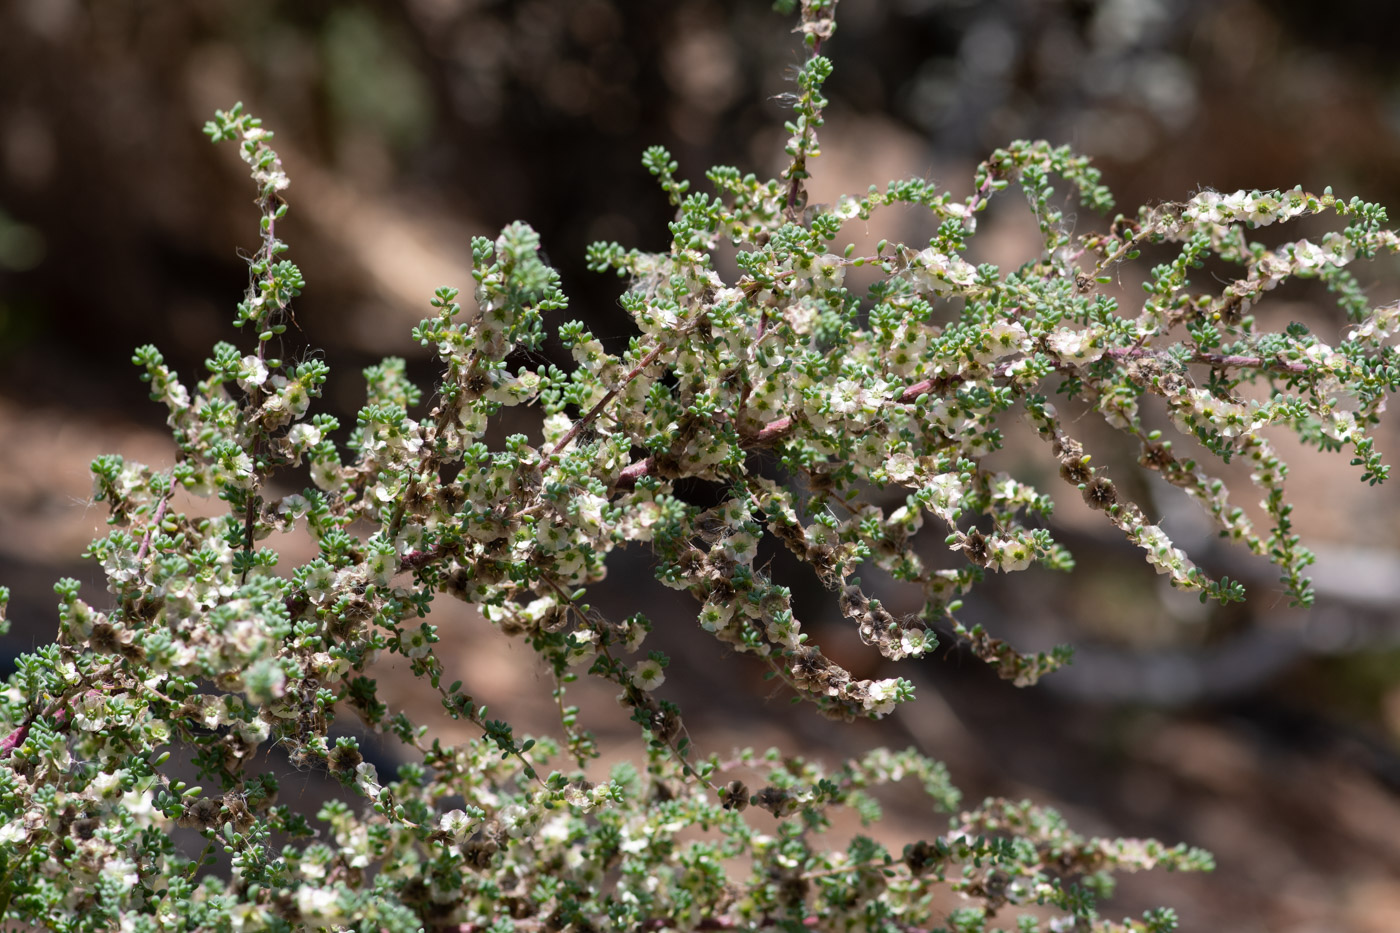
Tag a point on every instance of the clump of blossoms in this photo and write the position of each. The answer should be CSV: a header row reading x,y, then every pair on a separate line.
x,y
210,649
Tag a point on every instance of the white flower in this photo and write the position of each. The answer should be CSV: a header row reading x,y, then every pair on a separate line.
x,y
247,918
1074,345
648,674
1233,207
801,316
318,903
782,628
879,697
123,870
945,494
1378,326
252,372
740,547
556,426
517,821
1343,427
138,803
456,823
914,642
911,519
582,646
942,274
367,778
1003,339
825,272
635,635
901,467
325,474
845,396
715,614
1160,552
302,436
258,729
1308,256
420,642
176,396
319,582
587,509
555,831
1263,210
410,538
1004,488
106,785
1325,356
1009,554
293,506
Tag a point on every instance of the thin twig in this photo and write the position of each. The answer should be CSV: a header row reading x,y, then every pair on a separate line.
x,y
612,393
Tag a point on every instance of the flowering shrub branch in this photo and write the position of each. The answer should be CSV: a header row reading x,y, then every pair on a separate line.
x,y
209,645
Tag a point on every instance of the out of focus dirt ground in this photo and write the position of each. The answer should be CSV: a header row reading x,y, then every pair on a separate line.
x,y
1268,735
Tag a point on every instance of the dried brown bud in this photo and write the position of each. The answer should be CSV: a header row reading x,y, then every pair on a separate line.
x,y
920,857
1100,493
1075,471
343,758
775,800
975,547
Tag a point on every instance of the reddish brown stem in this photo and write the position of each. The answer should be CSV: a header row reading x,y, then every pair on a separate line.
x,y
151,530
597,409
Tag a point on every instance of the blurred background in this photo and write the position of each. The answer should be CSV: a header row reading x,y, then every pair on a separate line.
x,y
1267,734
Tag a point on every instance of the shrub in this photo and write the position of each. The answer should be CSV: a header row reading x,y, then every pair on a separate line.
x,y
803,404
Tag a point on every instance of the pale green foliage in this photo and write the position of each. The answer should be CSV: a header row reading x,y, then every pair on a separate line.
x,y
209,646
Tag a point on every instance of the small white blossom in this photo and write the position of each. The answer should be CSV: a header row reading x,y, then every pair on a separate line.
x,y
456,824
122,870
319,904
942,274
419,642
1074,346
253,372
880,696
1009,554
367,779
582,646
648,674
303,436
